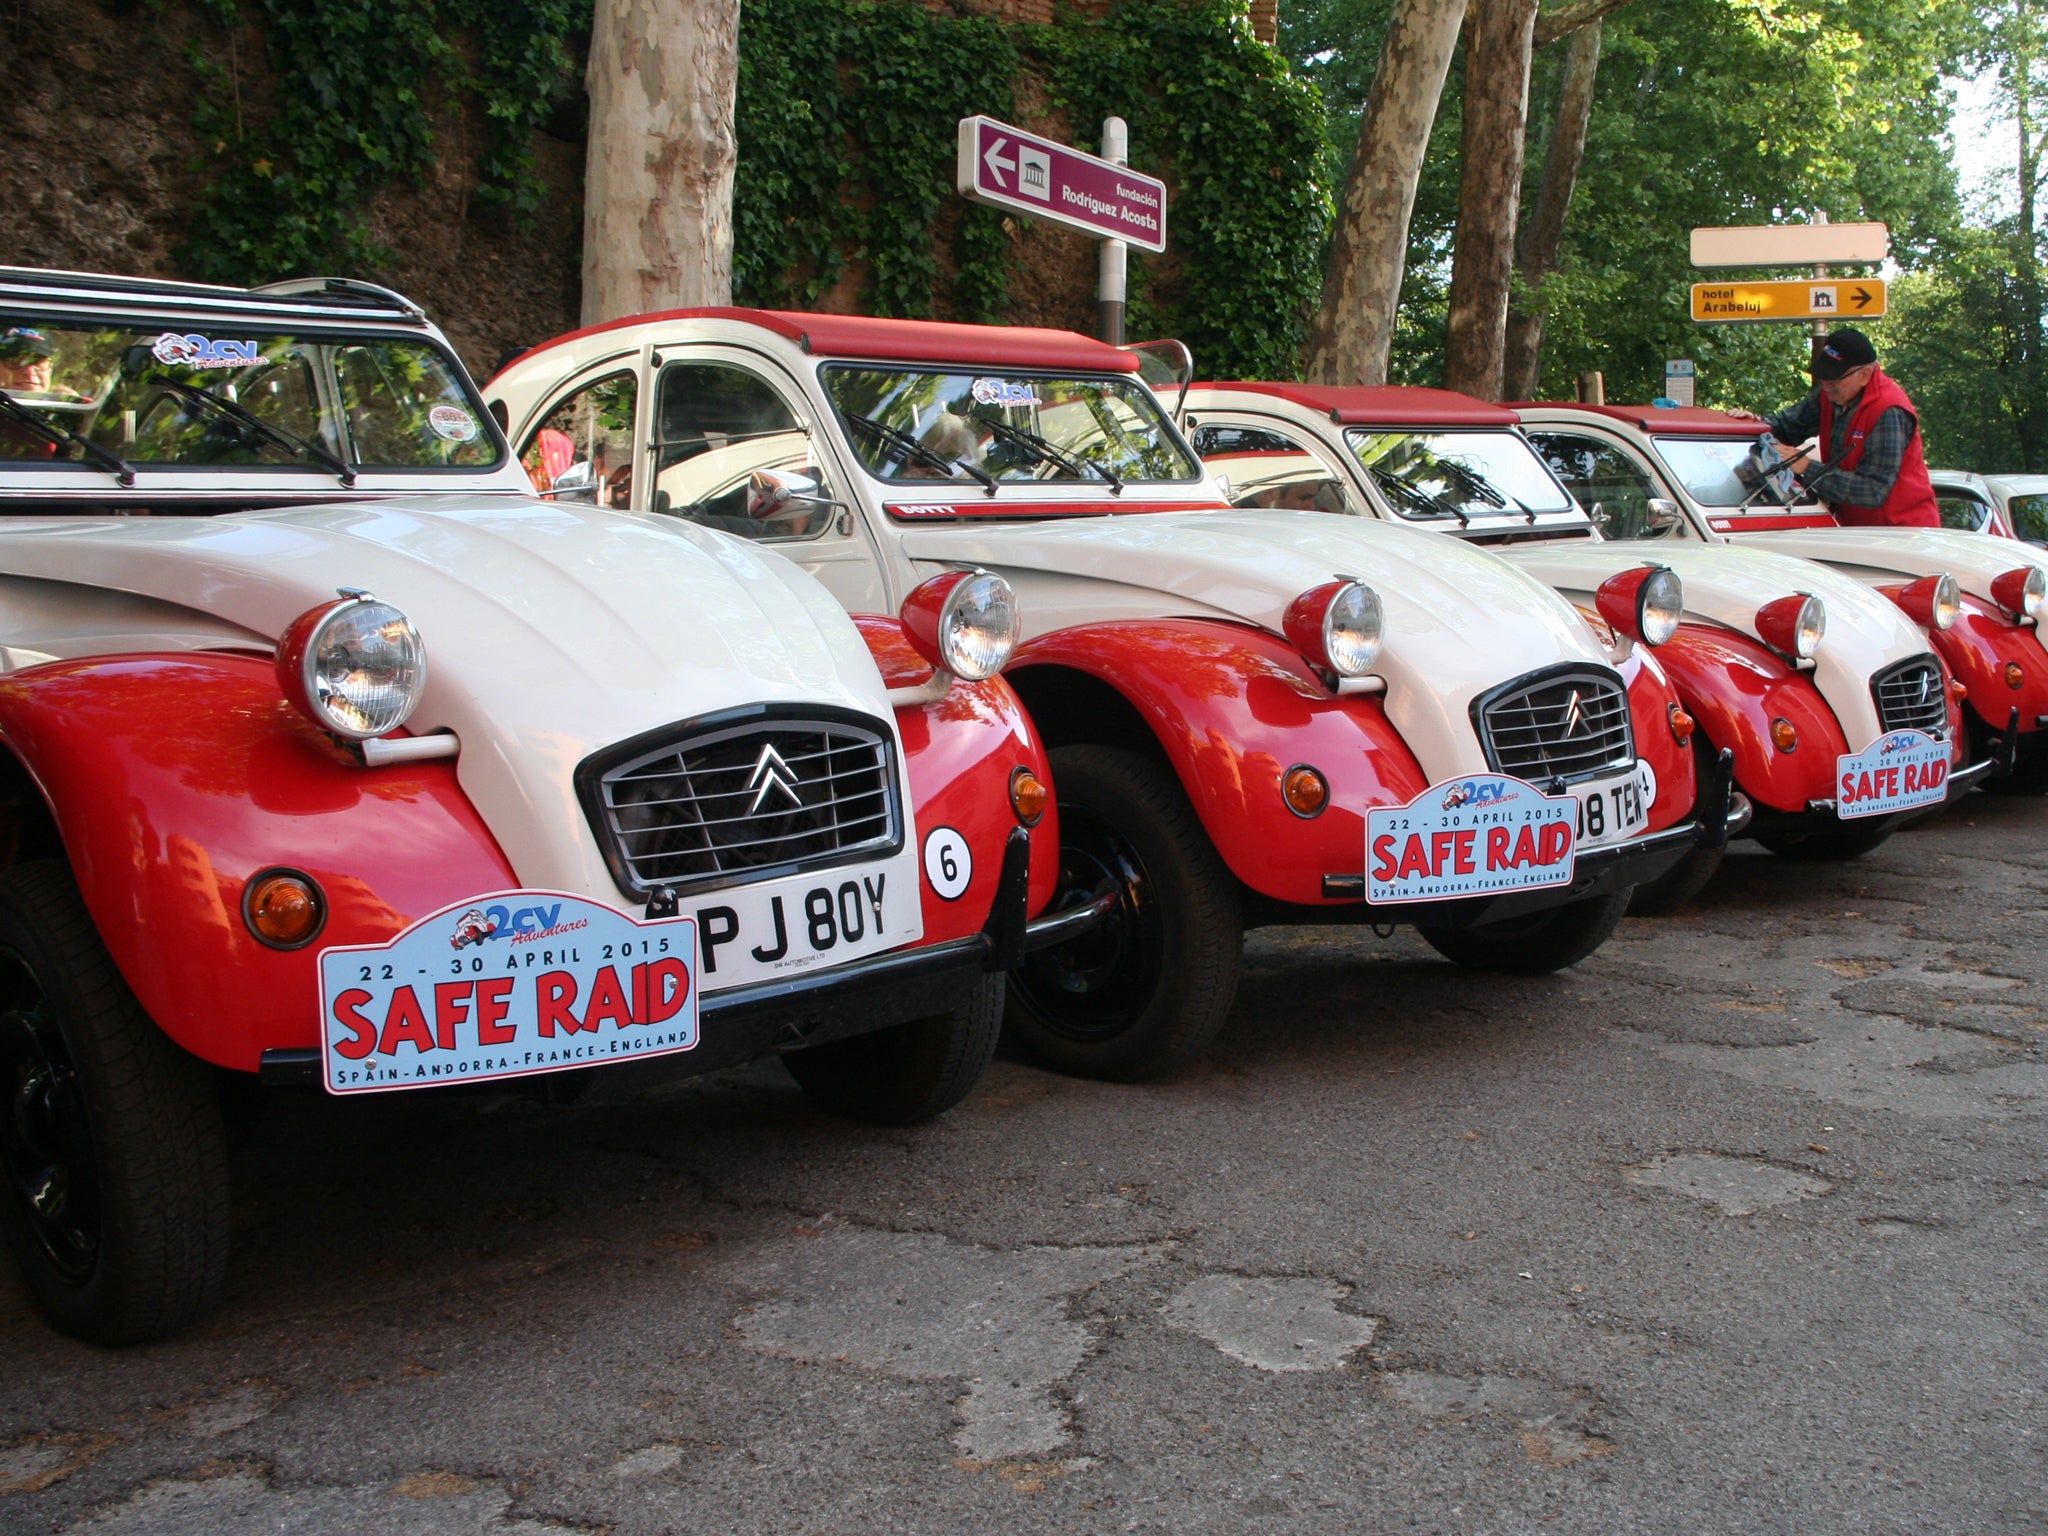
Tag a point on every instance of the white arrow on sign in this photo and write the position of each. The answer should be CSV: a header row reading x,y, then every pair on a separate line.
x,y
997,164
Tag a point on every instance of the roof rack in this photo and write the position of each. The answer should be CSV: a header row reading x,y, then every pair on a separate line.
x,y
329,297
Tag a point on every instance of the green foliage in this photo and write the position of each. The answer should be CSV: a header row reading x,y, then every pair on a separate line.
x,y
846,133
846,124
348,91
1707,112
1217,114
1955,336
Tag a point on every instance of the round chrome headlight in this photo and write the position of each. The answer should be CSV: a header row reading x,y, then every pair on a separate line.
x,y
1660,604
1337,626
2020,592
356,666
964,621
1793,626
1948,602
1352,627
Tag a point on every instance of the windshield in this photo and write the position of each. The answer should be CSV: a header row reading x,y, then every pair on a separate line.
x,y
918,424
245,398
1457,474
1706,467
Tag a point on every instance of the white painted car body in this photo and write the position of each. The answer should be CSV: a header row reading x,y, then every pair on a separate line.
x,y
1562,548
1457,622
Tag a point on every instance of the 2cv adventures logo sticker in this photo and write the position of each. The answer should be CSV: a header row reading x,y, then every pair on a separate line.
x,y
1901,771
506,985
195,351
1474,836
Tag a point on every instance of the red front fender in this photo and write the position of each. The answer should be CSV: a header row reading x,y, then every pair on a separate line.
x,y
175,778
1978,650
1233,709
1734,687
962,750
1650,697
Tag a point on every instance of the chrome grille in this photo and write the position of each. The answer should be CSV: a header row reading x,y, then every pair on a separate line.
x,y
747,801
1910,697
1559,725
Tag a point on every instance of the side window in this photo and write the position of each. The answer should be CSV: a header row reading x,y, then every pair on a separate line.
x,y
1598,473
1264,468
730,454
1959,509
583,448
2029,516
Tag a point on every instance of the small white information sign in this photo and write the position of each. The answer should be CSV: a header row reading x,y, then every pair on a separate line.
x,y
1476,836
1899,772
1678,380
506,985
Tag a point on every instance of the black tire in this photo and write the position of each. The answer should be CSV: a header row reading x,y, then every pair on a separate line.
x,y
2027,778
1145,992
1832,845
1534,945
909,1072
1679,884
113,1157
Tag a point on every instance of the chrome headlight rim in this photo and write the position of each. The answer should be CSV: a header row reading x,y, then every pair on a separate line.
x,y
329,649
1660,606
1354,628
1946,605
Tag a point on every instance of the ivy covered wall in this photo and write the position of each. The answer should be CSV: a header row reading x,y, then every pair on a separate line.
x,y
436,145
847,116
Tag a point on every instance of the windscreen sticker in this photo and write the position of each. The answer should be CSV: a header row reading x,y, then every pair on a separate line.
x,y
1003,392
196,351
452,422
1475,836
1899,772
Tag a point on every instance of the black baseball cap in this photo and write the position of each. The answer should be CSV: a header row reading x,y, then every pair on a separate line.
x,y
1843,350
21,342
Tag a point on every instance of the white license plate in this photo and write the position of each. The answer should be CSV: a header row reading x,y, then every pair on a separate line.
x,y
752,933
1612,810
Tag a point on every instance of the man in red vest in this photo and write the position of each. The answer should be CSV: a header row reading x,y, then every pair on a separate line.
x,y
1869,433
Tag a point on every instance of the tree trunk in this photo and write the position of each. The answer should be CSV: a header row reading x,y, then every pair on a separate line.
x,y
1500,35
2030,420
657,191
1355,325
1543,239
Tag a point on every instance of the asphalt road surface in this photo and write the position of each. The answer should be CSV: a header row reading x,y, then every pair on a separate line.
x,y
1736,1227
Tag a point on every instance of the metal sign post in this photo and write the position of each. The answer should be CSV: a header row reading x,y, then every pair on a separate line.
x,y
1005,167
1112,265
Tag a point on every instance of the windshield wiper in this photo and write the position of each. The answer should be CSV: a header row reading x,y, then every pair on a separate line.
x,y
277,437
64,437
1400,490
923,452
1031,442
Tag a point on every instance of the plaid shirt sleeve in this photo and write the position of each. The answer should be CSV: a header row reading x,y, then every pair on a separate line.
x,y
1796,423
1871,481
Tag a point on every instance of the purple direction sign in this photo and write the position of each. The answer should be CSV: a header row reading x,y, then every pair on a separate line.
x,y
1012,169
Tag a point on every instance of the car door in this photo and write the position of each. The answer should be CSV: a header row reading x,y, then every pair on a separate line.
x,y
1266,465
733,447
1600,472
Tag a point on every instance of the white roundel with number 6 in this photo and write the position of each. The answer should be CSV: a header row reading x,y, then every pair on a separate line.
x,y
948,862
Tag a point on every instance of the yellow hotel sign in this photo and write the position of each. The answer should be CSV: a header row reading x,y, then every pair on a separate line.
x,y
1846,298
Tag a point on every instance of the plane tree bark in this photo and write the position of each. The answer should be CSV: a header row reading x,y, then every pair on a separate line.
x,y
657,197
1542,240
1362,286
1499,38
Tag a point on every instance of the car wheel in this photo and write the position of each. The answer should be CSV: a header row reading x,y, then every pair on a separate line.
x,y
1677,885
908,1072
113,1158
1145,991
2027,778
1834,844
1534,945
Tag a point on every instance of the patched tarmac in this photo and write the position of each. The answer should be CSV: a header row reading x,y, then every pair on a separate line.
x,y
1737,1227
